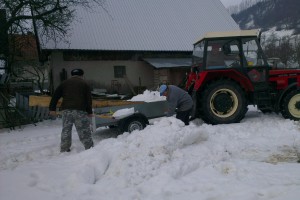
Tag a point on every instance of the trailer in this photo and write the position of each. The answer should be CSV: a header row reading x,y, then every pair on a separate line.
x,y
136,119
104,110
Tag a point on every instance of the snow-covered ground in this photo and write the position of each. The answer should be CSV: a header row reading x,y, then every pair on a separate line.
x,y
252,160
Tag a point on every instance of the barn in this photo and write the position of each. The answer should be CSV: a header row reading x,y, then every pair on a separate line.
x,y
129,45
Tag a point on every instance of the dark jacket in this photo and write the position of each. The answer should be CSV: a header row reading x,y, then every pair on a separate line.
x,y
76,95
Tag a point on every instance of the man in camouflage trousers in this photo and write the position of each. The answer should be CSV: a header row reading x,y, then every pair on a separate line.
x,y
76,109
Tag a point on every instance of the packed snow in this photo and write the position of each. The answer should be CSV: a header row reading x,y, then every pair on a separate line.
x,y
255,159
123,113
148,96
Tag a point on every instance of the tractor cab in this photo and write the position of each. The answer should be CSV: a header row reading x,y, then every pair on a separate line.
x,y
239,50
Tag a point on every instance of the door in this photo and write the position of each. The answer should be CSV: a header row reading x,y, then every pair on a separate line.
x,y
255,63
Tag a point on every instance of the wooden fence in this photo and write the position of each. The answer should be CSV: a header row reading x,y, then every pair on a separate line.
x,y
34,113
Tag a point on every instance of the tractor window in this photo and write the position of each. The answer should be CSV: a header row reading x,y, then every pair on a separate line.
x,y
253,54
223,54
215,55
198,53
232,54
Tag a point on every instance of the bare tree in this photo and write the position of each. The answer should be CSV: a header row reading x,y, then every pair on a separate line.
x,y
285,49
52,17
35,72
271,46
297,50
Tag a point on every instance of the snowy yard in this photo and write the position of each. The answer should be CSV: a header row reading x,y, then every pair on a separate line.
x,y
252,160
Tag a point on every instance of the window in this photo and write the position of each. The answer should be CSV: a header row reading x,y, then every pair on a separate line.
x,y
198,53
119,71
253,54
232,53
223,54
215,55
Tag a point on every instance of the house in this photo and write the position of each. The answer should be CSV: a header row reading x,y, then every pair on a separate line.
x,y
27,73
135,43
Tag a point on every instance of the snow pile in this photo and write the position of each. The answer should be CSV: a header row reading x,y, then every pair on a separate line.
x,y
148,96
123,113
254,159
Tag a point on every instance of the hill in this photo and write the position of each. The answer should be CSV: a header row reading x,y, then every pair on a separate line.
x,y
270,14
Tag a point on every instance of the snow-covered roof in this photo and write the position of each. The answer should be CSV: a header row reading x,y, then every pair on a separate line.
x,y
146,25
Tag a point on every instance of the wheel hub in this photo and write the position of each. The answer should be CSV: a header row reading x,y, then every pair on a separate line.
x,y
223,102
297,105
135,126
294,106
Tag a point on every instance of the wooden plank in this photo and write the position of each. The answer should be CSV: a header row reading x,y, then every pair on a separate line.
x,y
43,101
110,103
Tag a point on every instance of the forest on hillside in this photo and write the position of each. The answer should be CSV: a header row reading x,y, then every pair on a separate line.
x,y
266,14
273,16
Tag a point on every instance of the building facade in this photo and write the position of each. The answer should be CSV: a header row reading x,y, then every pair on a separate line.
x,y
135,43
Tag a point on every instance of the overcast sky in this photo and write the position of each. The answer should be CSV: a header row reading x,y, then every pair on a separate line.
x,y
230,2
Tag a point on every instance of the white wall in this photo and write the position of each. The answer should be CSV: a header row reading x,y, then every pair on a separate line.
x,y
102,72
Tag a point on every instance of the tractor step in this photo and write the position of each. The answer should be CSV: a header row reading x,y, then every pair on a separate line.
x,y
263,100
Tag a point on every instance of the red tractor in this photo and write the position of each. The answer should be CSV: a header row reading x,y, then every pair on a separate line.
x,y
230,72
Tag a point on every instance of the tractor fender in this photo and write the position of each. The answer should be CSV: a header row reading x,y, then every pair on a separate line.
x,y
208,76
283,94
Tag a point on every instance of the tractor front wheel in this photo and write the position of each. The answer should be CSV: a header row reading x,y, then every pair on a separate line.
x,y
223,102
291,105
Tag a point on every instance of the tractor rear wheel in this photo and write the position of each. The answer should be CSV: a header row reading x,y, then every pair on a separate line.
x,y
223,102
290,108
